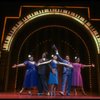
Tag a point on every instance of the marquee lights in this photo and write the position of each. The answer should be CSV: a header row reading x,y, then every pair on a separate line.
x,y
9,39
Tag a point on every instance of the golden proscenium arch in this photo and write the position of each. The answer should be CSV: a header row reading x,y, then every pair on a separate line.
x,y
44,12
59,26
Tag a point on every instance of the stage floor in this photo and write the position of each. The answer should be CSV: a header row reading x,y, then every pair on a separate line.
x,y
35,96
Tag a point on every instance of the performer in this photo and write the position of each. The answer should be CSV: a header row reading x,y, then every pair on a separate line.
x,y
30,78
77,80
66,75
42,82
53,76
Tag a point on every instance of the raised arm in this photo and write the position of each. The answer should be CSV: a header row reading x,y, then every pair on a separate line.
x,y
18,65
59,57
57,53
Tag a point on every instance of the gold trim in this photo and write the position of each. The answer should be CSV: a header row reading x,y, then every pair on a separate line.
x,y
20,11
35,6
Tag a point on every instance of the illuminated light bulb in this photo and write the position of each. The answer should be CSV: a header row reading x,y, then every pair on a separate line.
x,y
29,56
52,55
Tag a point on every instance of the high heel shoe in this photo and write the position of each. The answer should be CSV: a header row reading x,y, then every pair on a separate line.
x,y
61,93
29,92
75,92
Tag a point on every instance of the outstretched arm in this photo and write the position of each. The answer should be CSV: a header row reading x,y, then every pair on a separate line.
x,y
18,65
66,65
92,65
46,62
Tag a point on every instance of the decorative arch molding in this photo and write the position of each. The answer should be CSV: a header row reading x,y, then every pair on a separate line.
x,y
50,11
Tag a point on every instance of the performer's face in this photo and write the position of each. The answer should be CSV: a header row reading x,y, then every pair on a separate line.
x,y
78,60
55,57
31,58
68,58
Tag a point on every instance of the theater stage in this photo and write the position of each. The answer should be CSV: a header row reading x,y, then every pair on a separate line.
x,y
16,95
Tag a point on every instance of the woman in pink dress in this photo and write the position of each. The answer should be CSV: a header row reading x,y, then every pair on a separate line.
x,y
77,80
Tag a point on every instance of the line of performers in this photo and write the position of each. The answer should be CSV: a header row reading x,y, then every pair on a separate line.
x,y
35,75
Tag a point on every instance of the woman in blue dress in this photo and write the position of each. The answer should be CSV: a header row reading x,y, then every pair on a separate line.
x,y
53,76
30,78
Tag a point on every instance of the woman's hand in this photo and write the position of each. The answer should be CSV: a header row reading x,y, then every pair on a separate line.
x,y
93,65
53,71
14,66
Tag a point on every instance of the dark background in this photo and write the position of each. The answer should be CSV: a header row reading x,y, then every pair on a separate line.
x,y
11,7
